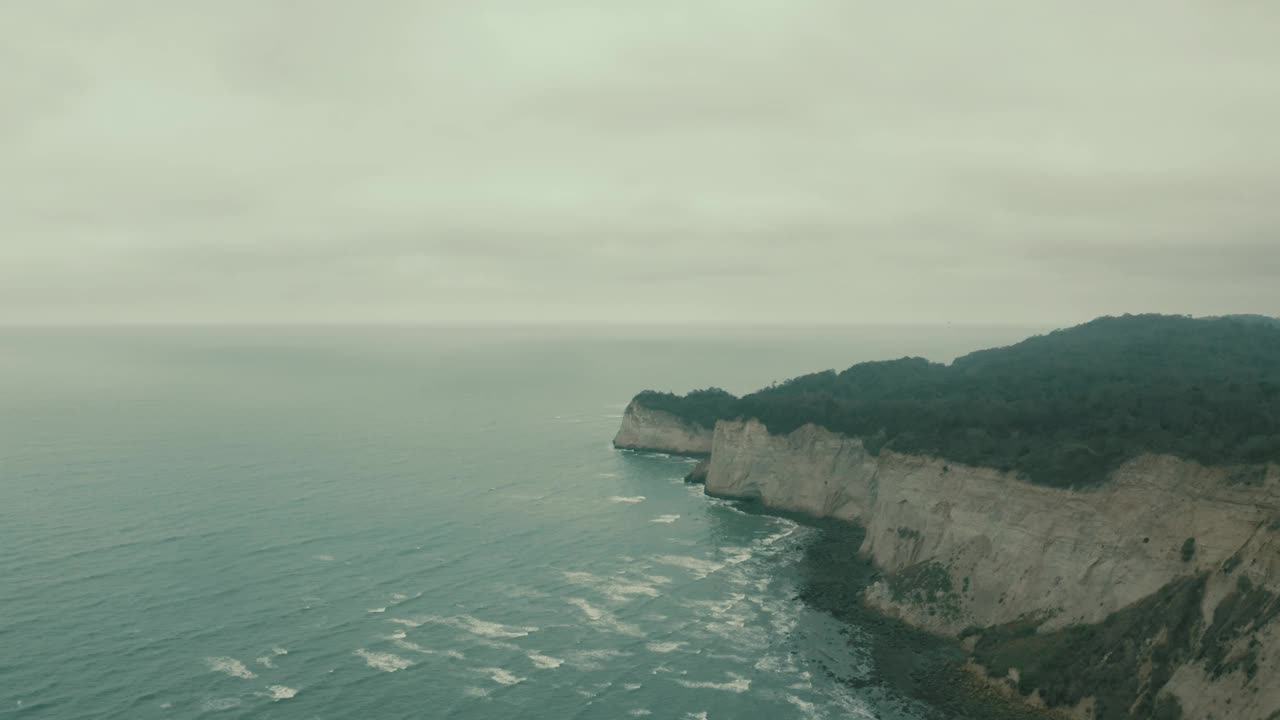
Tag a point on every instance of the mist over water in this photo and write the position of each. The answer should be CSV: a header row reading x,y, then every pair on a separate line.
x,y
339,523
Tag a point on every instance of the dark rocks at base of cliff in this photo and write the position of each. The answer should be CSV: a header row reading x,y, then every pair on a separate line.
x,y
906,661
1120,666
698,475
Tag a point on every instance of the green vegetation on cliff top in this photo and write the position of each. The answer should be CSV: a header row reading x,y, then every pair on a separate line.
x,y
1063,409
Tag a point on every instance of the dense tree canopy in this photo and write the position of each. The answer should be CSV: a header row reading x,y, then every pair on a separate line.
x,y
1061,409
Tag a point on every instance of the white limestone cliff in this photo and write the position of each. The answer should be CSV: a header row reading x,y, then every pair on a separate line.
x,y
644,428
968,547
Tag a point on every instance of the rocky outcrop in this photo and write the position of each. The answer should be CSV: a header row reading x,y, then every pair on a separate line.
x,y
1175,566
644,428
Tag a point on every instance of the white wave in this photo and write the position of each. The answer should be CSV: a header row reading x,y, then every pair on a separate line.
x,y
621,499
385,662
730,657
617,590
485,628
626,590
640,712
789,528
398,597
697,716
476,692
376,611
807,708
776,664
501,676
219,704
717,608
279,651
397,635
608,475
593,660
664,647
665,519
632,687
415,647
454,654
737,684
605,619
265,661
467,623
281,692
496,644
852,707
230,666
745,638
700,568
544,662
324,558
593,613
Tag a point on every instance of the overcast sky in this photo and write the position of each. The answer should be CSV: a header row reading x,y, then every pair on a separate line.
x,y
654,161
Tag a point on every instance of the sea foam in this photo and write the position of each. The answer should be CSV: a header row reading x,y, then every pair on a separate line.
x,y
664,647
605,619
467,623
385,662
500,676
737,684
281,692
544,662
230,666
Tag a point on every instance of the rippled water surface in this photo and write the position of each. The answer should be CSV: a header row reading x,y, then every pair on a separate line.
x,y
337,523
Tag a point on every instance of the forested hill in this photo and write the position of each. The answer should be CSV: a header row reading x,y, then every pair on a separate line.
x,y
1063,409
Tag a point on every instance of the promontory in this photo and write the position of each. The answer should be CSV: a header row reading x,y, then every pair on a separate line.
x,y
1093,513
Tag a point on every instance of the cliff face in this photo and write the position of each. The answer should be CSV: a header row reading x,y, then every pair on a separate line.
x,y
1175,564
648,429
1079,556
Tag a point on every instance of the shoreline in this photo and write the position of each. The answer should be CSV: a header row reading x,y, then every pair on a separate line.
x,y
934,671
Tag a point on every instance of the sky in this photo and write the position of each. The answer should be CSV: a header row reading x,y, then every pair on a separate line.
x,y
692,162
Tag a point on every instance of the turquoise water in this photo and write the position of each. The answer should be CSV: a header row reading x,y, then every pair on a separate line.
x,y
396,523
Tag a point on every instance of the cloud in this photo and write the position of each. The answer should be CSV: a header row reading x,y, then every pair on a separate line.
x,y
619,162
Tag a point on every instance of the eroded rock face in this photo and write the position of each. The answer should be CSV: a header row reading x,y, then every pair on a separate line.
x,y
965,547
647,429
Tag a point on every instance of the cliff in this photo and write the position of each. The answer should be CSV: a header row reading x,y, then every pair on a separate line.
x,y
645,428
1151,595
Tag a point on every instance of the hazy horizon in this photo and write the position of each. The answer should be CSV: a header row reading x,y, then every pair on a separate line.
x,y
692,164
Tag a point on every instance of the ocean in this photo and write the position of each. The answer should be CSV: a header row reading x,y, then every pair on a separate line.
x,y
301,523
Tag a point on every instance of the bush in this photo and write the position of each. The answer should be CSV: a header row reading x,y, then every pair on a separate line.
x,y
1188,549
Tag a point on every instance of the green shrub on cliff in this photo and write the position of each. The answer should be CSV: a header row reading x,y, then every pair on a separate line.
x,y
700,407
1188,550
1061,409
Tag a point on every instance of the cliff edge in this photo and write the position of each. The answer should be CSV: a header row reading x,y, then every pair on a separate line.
x,y
645,428
1153,595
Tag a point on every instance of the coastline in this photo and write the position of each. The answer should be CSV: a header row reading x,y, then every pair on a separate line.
x,y
932,670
